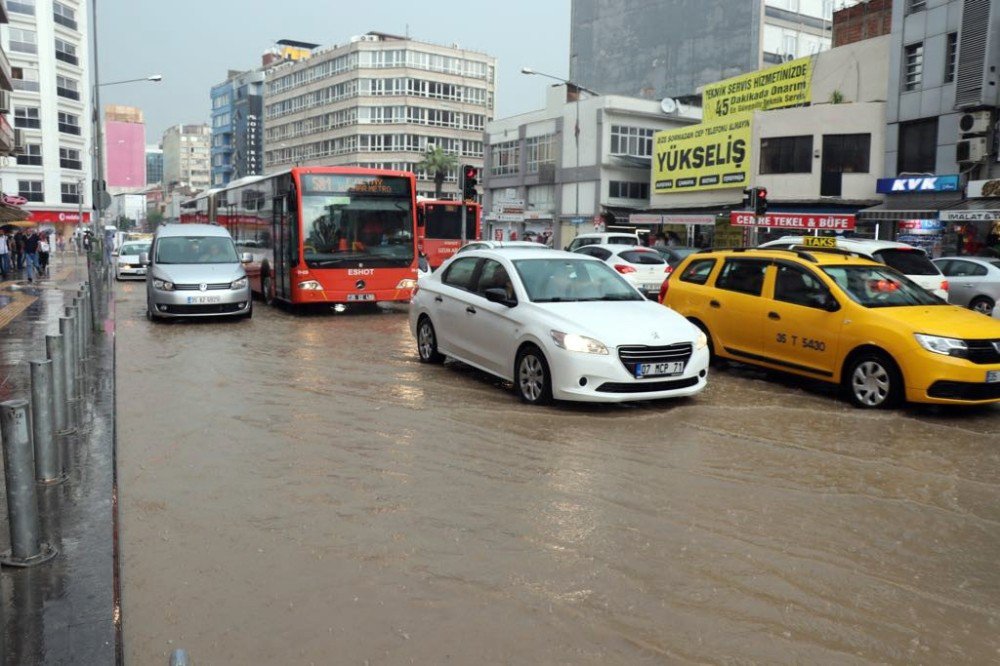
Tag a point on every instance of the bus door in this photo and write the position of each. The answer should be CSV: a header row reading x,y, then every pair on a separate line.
x,y
279,233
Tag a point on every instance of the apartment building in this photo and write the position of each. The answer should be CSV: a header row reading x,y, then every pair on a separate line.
x,y
186,157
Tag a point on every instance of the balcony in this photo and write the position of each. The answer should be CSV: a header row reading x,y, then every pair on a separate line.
x,y
7,145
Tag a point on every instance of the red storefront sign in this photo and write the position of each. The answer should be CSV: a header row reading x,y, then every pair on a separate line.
x,y
57,216
806,221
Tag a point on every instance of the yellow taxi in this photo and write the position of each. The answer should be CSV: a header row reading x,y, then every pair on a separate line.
x,y
829,315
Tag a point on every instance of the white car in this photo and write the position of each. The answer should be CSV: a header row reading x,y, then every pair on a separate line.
x,y
559,326
127,264
496,245
603,238
643,267
908,260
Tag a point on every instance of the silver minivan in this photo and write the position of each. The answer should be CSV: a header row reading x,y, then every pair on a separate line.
x,y
194,271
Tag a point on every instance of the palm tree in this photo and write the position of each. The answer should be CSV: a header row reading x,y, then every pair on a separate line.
x,y
438,163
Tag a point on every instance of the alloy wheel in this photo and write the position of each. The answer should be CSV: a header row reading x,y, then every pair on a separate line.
x,y
531,377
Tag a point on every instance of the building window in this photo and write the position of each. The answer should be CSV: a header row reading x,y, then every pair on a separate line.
x,y
32,155
27,117
505,158
619,189
21,6
539,151
69,158
71,193
916,6
846,153
67,87
23,41
31,190
634,141
914,64
69,123
66,52
786,154
24,78
917,146
951,57
63,15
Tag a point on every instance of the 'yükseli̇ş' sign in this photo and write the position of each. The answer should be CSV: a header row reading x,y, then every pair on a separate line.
x,y
787,84
806,221
709,156
917,184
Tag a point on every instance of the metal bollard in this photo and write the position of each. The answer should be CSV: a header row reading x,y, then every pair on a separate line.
x,y
54,350
78,313
26,548
48,461
66,325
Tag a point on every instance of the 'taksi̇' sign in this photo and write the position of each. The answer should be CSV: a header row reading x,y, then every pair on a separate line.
x,y
787,84
708,156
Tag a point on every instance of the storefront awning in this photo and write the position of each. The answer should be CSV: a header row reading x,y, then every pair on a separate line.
x,y
973,210
889,211
10,213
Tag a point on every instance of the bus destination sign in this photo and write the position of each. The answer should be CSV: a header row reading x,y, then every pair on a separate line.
x,y
360,185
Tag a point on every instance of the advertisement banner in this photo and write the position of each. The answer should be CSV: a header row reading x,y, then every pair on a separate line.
x,y
710,156
805,221
978,189
918,184
57,216
787,84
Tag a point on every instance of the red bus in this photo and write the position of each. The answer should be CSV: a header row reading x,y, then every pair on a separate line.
x,y
439,228
337,235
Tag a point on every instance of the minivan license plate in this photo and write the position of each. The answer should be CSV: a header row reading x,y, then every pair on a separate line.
x,y
361,297
993,377
658,369
204,299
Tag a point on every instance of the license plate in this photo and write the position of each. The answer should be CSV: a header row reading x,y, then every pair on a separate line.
x,y
658,369
204,299
361,297
651,287
993,377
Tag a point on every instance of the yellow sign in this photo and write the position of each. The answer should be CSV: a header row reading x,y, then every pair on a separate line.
x,y
829,242
787,84
709,156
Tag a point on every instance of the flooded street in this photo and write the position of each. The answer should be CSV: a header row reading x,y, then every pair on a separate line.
x,y
300,489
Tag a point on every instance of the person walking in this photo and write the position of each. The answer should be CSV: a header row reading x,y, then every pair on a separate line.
x,y
4,254
43,255
17,252
31,255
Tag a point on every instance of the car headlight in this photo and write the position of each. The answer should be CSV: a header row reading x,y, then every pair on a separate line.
x,y
945,346
311,285
163,285
239,284
578,343
701,341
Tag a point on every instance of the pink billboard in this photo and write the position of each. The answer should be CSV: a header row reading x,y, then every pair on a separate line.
x,y
125,148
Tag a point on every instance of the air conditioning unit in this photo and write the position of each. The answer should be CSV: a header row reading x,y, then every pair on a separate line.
x,y
975,122
971,150
4,101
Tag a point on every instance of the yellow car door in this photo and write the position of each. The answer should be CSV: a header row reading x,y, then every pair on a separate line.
x,y
734,307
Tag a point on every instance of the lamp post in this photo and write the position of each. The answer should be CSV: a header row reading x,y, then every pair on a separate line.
x,y
575,89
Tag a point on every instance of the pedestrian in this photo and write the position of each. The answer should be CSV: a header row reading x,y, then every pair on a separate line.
x,y
43,255
31,255
673,240
18,250
60,243
660,241
4,254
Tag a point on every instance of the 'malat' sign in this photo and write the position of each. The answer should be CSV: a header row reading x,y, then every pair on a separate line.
x,y
917,184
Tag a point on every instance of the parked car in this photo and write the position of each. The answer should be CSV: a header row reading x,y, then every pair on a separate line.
x,y
496,245
674,254
128,264
908,260
603,238
559,326
973,282
643,267
840,319
194,271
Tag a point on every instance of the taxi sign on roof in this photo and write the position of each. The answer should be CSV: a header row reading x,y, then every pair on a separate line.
x,y
820,241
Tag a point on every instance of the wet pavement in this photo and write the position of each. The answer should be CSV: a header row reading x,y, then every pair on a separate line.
x,y
62,611
299,489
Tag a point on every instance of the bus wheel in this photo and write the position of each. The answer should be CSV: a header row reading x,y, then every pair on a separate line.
x,y
267,289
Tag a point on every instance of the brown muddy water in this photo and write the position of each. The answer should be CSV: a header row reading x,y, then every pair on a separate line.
x,y
300,490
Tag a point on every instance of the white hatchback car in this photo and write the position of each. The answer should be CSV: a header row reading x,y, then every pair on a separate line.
x,y
128,264
557,325
643,267
603,238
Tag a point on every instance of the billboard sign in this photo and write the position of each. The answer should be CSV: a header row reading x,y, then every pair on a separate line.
x,y
917,184
784,85
709,156
805,221
978,189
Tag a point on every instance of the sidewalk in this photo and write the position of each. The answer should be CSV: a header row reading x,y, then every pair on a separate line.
x,y
63,611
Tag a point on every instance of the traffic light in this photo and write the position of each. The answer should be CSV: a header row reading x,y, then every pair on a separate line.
x,y
470,178
760,201
747,198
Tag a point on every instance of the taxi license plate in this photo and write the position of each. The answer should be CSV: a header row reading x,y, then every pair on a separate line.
x,y
361,297
204,299
659,369
993,377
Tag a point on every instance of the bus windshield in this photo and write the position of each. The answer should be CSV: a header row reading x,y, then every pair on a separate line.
x,y
356,219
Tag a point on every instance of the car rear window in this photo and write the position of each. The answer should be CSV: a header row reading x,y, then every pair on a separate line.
x,y
907,262
622,240
642,257
698,271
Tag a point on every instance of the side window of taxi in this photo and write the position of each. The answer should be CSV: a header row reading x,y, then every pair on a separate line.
x,y
698,271
460,273
745,276
798,286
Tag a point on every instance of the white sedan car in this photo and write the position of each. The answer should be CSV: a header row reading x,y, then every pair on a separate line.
x,y
128,264
558,325
643,267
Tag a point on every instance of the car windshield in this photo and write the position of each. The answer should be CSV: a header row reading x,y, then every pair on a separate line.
x,y
907,262
569,280
133,248
878,287
196,250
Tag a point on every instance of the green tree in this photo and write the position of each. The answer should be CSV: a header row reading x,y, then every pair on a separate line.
x,y
154,218
438,163
124,223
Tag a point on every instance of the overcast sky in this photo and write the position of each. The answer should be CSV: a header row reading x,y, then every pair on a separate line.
x,y
192,43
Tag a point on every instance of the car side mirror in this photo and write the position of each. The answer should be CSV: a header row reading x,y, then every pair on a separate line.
x,y
829,303
246,258
499,295
144,258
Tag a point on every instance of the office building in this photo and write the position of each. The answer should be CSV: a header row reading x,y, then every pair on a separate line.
x,y
379,101
186,157
237,127
154,165
124,148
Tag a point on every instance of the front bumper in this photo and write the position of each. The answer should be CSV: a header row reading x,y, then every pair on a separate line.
x,y
944,380
354,297
124,270
195,304
606,379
